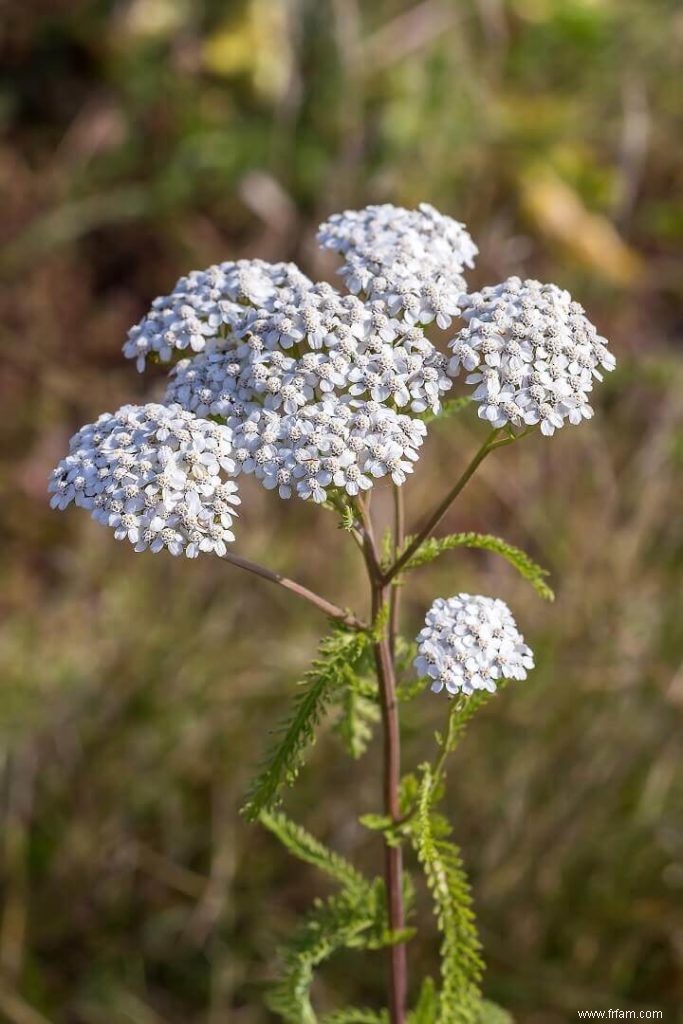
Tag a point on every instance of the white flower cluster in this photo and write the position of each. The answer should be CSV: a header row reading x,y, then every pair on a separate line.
x,y
469,643
204,304
410,260
313,386
320,393
534,355
158,475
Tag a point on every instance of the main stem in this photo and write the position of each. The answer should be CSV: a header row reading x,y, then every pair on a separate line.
x,y
393,855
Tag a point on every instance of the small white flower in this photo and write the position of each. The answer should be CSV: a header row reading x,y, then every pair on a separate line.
x,y
469,643
159,476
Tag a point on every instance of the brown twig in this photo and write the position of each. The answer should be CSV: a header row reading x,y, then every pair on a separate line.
x,y
325,606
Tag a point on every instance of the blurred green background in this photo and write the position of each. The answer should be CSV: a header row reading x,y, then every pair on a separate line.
x,y
148,137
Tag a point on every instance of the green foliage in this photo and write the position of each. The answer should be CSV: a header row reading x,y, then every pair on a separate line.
x,y
347,517
353,918
358,714
491,1013
409,689
332,671
525,566
305,847
358,1016
461,966
427,1007
342,921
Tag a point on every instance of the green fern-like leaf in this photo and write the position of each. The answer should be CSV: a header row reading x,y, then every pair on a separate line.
x,y
356,1016
338,655
303,845
342,921
525,566
358,714
461,963
427,1008
347,518
491,1013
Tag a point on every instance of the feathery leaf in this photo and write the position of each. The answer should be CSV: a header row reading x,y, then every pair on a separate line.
x,y
342,921
461,966
491,1013
339,653
525,566
359,713
303,845
356,1016
427,1007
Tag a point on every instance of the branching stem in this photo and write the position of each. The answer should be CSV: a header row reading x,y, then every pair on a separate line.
x,y
326,607
493,441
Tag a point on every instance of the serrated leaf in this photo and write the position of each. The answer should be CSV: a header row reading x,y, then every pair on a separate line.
x,y
376,822
427,1007
523,563
347,519
491,1013
305,847
408,790
332,924
412,688
338,655
461,964
381,619
358,714
406,650
351,920
359,1016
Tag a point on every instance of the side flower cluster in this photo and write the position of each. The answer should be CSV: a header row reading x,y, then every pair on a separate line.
x,y
203,304
469,643
157,475
532,354
410,260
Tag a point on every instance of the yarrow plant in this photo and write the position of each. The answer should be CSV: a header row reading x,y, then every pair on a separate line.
x,y
320,395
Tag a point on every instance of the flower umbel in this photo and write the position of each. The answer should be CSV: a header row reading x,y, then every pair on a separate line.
x,y
204,303
531,352
469,643
410,260
157,475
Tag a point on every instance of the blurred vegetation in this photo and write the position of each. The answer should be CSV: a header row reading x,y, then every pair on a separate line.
x,y
148,137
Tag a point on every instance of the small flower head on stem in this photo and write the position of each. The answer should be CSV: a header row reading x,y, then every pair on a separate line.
x,y
470,643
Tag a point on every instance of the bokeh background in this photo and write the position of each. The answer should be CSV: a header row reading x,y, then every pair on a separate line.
x,y
149,137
